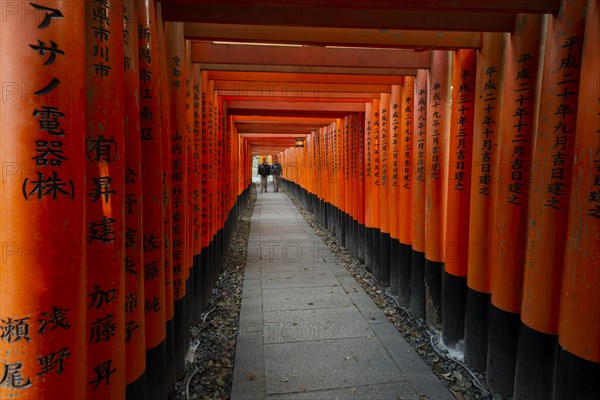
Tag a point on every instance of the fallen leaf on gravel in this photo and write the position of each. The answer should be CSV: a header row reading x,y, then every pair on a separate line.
x,y
250,376
284,379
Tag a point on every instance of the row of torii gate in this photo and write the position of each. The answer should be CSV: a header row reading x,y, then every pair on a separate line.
x,y
463,169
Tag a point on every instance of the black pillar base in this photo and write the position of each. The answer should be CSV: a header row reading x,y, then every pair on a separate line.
x,y
433,293
454,294
369,232
170,355
182,336
206,279
417,284
576,377
502,350
377,254
404,271
137,390
394,265
156,372
536,360
476,329
384,247
196,276
354,243
360,245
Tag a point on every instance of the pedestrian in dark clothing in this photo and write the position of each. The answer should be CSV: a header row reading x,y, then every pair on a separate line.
x,y
264,171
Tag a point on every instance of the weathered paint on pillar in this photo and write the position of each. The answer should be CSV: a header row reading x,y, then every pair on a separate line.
x,y
518,124
456,248
488,105
438,131
419,141
579,326
43,343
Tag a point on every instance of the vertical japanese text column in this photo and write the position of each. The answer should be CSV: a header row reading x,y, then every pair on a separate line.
x,y
42,269
384,189
105,212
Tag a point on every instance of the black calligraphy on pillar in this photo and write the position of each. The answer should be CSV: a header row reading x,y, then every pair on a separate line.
x,y
523,99
103,329
53,362
594,196
564,116
102,372
421,121
14,330
408,116
101,34
464,103
376,152
384,144
51,185
100,297
490,101
54,319
11,376
102,231
435,130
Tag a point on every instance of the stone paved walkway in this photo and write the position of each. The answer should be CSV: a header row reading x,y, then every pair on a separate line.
x,y
308,330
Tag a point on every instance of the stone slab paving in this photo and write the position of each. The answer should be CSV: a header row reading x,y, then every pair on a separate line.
x,y
307,330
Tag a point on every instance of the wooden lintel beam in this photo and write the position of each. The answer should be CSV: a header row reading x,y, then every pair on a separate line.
x,y
308,56
296,106
286,95
300,77
327,15
308,69
287,113
393,38
296,89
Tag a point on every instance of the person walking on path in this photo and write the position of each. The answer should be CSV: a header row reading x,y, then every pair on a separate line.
x,y
264,171
276,171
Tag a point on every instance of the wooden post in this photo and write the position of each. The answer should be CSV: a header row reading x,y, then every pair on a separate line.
x,y
384,189
578,329
488,105
406,183
518,124
438,133
456,248
419,142
152,194
135,328
42,119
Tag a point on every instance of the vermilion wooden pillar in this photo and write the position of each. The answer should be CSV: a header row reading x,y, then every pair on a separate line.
x,y
105,212
517,127
406,182
135,338
394,168
384,189
489,83
419,141
459,195
578,330
43,294
373,191
438,131
195,175
361,159
165,101
152,201
176,86
368,181
552,159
